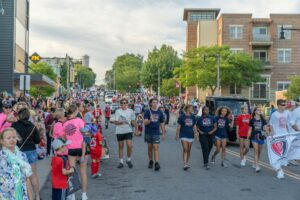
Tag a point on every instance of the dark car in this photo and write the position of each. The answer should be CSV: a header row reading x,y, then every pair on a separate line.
x,y
234,103
114,107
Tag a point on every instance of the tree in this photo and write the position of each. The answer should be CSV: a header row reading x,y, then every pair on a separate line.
x,y
109,79
85,76
43,91
293,91
200,68
43,68
168,88
164,59
126,69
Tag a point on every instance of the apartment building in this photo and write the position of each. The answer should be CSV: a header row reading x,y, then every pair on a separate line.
x,y
258,37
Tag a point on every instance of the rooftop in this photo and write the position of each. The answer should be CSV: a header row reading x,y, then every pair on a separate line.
x,y
187,10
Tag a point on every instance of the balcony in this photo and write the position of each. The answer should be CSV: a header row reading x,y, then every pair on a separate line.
x,y
267,65
261,40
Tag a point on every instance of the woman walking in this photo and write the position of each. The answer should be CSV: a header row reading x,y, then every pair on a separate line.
x,y
242,128
186,129
256,129
206,126
221,135
30,137
14,168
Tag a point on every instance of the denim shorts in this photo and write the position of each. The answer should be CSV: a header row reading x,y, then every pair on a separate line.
x,y
260,142
152,139
32,156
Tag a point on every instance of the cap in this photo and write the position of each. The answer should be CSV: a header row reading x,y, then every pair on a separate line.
x,y
6,103
58,143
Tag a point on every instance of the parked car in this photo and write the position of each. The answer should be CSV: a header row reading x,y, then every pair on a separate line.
x,y
234,103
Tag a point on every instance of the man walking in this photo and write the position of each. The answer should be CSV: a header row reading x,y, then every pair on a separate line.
x,y
154,121
124,120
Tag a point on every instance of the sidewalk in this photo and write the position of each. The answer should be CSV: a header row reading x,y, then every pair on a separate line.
x,y
43,170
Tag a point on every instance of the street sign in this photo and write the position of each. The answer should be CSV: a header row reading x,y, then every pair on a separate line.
x,y
35,58
24,82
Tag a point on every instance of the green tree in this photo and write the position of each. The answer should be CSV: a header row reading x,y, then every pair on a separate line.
x,y
109,79
126,69
165,59
200,68
168,88
293,91
85,76
63,75
43,68
43,91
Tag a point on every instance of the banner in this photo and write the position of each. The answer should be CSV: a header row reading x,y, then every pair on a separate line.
x,y
283,148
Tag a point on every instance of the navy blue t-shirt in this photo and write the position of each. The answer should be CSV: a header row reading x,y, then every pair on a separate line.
x,y
153,127
206,123
257,127
187,123
222,126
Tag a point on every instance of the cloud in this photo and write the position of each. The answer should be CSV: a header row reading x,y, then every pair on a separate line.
x,y
105,29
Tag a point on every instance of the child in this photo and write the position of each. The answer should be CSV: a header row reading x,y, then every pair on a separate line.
x,y
60,170
107,115
95,151
140,123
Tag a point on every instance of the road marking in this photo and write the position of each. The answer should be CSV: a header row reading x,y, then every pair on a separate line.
x,y
265,165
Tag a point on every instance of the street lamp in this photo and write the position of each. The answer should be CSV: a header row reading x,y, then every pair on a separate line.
x,y
287,29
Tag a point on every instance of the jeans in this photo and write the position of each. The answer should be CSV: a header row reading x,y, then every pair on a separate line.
x,y
206,142
49,140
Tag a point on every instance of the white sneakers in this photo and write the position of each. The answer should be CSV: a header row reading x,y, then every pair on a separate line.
x,y
257,168
280,174
243,162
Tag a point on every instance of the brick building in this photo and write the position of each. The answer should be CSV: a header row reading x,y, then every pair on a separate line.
x,y
256,36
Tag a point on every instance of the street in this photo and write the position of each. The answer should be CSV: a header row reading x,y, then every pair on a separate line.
x,y
171,182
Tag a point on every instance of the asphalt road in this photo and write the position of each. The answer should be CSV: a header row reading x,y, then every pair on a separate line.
x,y
172,183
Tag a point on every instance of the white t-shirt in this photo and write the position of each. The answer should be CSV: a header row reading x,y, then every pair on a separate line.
x,y
138,108
295,118
280,122
127,116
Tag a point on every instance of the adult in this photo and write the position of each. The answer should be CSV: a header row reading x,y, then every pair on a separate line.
x,y
4,116
14,168
242,128
124,120
72,130
154,121
49,120
221,135
206,126
279,126
30,137
256,129
186,129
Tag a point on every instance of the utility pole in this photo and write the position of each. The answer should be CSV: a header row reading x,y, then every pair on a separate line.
x,y
158,82
68,72
218,81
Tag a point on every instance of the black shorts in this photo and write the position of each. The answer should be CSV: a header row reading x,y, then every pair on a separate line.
x,y
244,137
75,152
152,139
125,136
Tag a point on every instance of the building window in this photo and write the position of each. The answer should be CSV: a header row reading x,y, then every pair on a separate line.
x,y
196,16
235,89
287,33
284,55
263,30
261,55
283,85
260,90
237,50
236,31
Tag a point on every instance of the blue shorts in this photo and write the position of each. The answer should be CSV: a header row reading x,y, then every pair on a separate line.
x,y
220,137
32,156
260,142
152,139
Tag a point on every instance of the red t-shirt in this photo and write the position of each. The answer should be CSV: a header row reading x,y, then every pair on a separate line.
x,y
59,181
107,112
97,112
95,146
243,122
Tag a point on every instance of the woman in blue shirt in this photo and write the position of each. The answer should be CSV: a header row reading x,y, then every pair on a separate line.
x,y
186,129
206,126
223,124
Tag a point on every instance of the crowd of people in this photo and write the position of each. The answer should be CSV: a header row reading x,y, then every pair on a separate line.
x,y
69,130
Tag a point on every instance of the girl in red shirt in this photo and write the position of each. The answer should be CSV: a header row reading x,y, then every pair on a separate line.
x,y
96,152
242,128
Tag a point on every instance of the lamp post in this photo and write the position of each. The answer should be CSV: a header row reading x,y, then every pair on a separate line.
x,y
286,29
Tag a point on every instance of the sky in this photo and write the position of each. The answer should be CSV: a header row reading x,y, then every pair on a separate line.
x,y
105,29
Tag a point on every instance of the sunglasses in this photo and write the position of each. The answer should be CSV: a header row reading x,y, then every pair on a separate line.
x,y
123,103
7,107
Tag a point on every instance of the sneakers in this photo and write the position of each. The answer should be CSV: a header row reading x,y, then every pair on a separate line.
x,y
213,159
207,167
223,164
185,167
280,174
293,163
156,166
129,163
121,165
94,176
84,197
243,162
150,166
257,169
253,166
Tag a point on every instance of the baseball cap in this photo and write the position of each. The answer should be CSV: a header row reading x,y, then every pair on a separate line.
x,y
6,103
58,143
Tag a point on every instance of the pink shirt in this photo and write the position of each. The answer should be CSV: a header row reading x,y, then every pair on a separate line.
x,y
58,132
3,124
73,134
